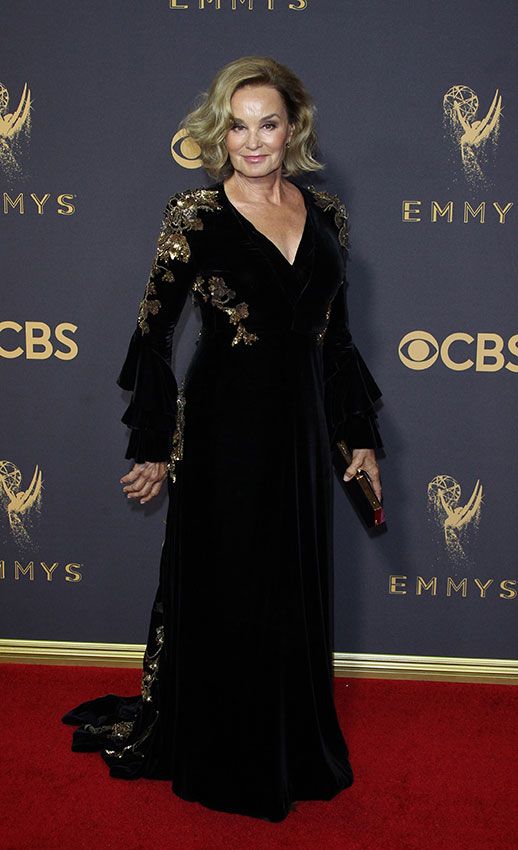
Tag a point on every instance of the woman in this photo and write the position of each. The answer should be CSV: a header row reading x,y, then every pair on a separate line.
x,y
245,447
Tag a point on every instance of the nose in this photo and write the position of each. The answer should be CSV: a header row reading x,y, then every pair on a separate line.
x,y
251,142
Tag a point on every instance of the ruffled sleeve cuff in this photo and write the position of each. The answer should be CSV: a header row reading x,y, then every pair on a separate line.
x,y
151,413
360,431
148,444
350,395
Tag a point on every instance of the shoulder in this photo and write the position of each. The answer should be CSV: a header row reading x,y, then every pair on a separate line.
x,y
183,208
182,219
184,214
335,206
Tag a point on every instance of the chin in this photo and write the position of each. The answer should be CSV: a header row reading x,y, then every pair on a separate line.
x,y
257,170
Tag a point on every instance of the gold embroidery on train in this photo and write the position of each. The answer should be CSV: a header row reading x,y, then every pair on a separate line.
x,y
122,729
150,665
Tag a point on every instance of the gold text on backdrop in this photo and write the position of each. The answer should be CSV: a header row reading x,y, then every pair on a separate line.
x,y
235,5
37,343
22,204
449,211
419,350
40,571
460,588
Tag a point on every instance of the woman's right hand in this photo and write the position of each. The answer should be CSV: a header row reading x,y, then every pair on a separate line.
x,y
145,480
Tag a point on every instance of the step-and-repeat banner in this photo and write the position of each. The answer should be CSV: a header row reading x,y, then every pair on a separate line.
x,y
417,124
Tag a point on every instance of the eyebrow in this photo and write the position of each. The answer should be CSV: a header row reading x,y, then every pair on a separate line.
x,y
272,115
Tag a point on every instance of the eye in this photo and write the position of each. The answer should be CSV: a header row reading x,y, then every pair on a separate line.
x,y
269,124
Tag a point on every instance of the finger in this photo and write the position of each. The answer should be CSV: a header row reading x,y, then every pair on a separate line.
x,y
375,478
135,485
373,473
133,473
376,486
155,490
351,471
146,476
140,488
376,483
144,490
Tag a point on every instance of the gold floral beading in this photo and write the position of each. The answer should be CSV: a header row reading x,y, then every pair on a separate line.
x,y
341,219
177,447
181,215
134,746
150,665
174,246
220,295
148,305
321,334
122,729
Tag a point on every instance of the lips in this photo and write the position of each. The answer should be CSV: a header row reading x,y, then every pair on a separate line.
x,y
257,158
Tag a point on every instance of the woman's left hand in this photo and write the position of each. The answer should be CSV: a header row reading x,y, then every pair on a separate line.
x,y
144,481
366,459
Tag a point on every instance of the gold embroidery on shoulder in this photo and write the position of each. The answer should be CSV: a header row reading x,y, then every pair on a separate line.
x,y
327,201
174,246
220,295
181,215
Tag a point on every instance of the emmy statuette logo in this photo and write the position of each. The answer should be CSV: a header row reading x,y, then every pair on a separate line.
x,y
15,129
470,134
19,503
456,519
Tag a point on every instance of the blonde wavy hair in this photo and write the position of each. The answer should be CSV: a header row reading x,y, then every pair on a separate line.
x,y
209,123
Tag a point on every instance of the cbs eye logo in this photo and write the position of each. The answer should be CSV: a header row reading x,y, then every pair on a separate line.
x,y
419,350
185,151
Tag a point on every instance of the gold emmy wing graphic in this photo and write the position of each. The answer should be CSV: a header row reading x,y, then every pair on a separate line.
x,y
18,503
12,125
470,134
455,519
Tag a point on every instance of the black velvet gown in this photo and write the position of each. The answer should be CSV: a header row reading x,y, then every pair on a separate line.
x,y
236,707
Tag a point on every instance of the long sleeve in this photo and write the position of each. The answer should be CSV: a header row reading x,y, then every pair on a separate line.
x,y
147,372
350,390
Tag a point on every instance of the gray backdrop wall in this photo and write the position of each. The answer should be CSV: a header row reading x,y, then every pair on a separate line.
x,y
417,121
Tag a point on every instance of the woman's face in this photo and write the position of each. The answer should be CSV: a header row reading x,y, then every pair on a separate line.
x,y
260,129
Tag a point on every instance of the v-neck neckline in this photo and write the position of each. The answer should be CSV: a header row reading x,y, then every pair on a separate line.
x,y
262,235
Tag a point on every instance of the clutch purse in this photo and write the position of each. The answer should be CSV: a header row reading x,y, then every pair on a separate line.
x,y
360,489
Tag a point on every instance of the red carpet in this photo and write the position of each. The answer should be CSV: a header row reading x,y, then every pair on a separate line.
x,y
435,767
